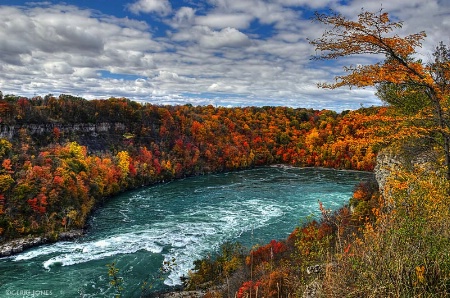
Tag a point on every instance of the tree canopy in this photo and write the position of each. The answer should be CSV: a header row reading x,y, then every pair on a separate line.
x,y
402,78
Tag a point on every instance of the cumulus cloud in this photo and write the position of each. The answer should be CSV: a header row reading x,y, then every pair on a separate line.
x,y
183,17
209,51
58,68
220,87
227,37
162,7
266,12
313,4
207,38
61,48
220,21
167,76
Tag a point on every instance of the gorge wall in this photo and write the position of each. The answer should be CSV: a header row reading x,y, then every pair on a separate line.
x,y
9,131
96,136
392,160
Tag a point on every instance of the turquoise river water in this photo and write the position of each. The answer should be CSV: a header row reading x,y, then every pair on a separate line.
x,y
185,219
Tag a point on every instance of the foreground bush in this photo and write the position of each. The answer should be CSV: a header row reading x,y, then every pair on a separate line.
x,y
405,252
395,245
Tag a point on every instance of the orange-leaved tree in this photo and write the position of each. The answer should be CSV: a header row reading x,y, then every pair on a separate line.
x,y
373,33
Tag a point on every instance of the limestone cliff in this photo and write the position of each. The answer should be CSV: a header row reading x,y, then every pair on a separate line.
x,y
97,136
387,162
391,160
10,131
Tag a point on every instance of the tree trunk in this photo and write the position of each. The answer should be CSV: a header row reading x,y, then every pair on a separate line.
x,y
442,126
447,155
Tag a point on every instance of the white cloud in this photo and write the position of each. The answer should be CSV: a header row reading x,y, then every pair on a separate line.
x,y
227,37
162,7
220,87
214,50
172,77
211,39
214,87
220,21
36,36
85,72
58,68
313,4
183,17
267,12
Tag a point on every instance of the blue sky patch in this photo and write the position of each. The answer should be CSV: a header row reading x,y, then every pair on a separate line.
x,y
120,76
230,52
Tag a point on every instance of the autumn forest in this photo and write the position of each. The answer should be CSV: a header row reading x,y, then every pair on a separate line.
x,y
52,180
63,156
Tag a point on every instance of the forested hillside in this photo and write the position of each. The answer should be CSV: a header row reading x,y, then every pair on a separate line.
x,y
62,156
392,243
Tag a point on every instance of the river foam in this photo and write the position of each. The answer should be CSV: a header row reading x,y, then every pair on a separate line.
x,y
185,237
187,220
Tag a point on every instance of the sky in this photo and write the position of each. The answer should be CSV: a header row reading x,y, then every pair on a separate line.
x,y
220,52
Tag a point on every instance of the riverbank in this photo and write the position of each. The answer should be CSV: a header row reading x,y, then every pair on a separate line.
x,y
19,245
183,294
138,230
16,246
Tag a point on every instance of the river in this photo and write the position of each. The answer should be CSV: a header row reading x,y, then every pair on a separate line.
x,y
183,220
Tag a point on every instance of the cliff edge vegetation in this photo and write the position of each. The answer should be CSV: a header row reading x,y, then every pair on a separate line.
x,y
391,241
54,172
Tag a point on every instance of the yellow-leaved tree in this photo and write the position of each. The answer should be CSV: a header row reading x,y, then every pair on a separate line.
x,y
426,86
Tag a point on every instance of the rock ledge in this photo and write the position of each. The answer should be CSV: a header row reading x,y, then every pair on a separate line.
x,y
19,245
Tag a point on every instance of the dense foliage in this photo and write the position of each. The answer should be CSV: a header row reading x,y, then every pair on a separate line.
x,y
52,177
403,80
394,244
57,164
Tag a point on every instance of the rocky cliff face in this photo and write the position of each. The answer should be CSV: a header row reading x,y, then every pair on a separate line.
x,y
10,131
96,136
392,160
388,162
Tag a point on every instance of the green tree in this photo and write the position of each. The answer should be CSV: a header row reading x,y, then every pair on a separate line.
x,y
372,33
409,100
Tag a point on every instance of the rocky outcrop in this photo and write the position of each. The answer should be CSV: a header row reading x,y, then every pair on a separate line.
x,y
313,289
19,245
391,160
182,294
10,131
315,269
388,161
96,136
